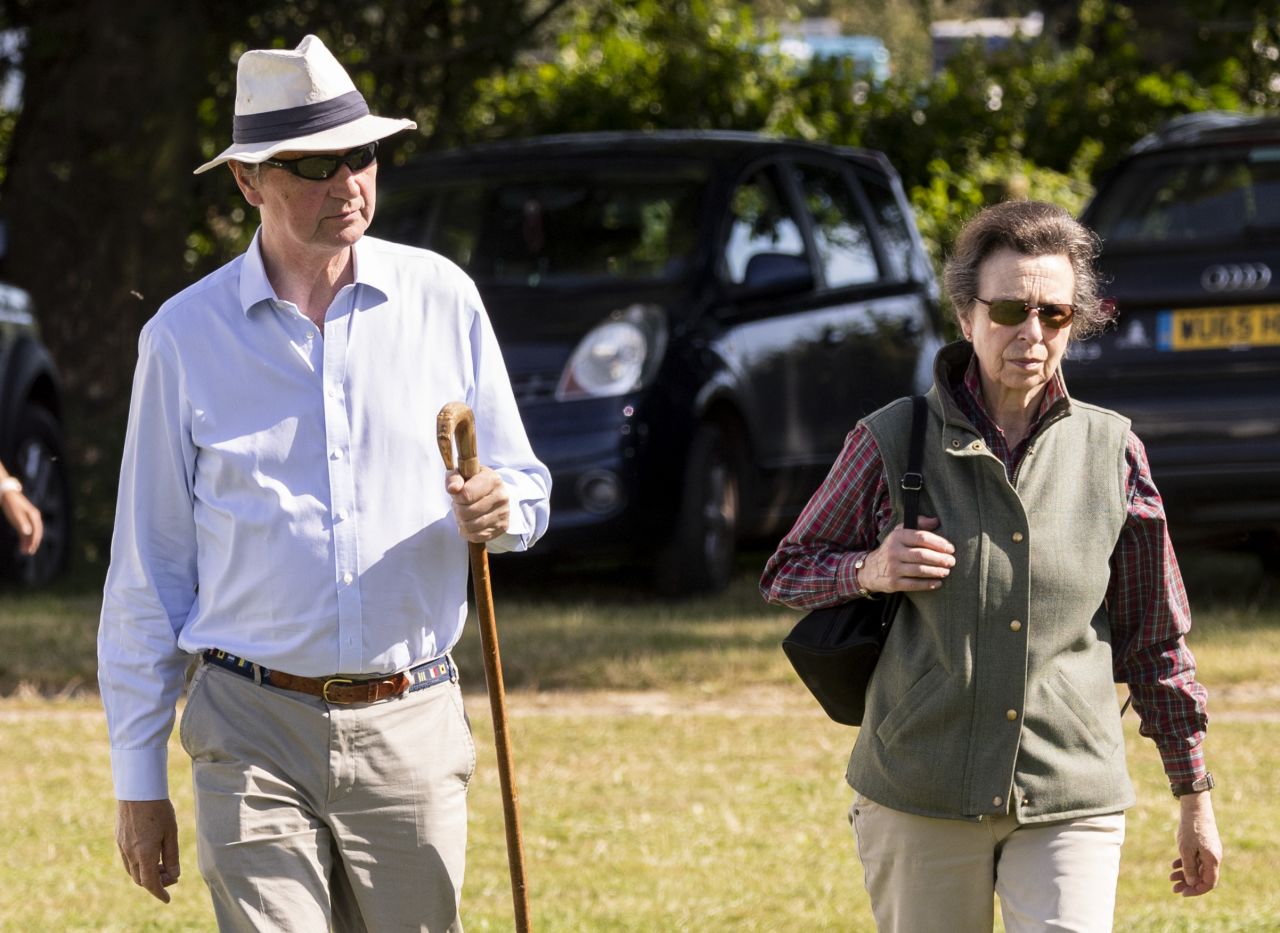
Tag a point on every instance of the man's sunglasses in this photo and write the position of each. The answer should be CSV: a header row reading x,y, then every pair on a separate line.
x,y
324,167
1013,311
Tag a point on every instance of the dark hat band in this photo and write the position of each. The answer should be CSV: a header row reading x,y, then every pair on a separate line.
x,y
276,125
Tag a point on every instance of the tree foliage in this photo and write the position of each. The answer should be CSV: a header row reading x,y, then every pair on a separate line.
x,y
646,64
1039,117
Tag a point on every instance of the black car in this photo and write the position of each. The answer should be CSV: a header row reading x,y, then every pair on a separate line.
x,y
1190,222
692,321
31,440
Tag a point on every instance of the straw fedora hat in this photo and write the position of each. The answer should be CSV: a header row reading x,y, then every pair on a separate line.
x,y
298,100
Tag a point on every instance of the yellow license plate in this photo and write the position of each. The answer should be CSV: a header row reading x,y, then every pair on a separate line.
x,y
1218,328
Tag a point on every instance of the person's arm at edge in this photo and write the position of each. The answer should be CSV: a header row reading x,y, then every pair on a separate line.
x,y
21,514
1149,620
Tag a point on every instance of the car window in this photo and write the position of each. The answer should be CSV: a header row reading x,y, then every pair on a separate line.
x,y
895,234
763,234
1230,195
542,230
839,230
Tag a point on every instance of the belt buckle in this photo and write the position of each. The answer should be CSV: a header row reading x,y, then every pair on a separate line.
x,y
324,691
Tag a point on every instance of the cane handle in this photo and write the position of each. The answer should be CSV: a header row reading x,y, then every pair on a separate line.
x,y
456,420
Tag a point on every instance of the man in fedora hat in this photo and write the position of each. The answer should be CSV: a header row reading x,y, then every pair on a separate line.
x,y
282,522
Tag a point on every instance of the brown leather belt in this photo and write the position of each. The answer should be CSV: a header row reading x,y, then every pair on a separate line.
x,y
340,690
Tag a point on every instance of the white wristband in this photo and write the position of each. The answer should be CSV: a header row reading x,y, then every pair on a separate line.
x,y
10,484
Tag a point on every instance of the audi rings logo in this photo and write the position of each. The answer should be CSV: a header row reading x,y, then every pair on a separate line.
x,y
1236,277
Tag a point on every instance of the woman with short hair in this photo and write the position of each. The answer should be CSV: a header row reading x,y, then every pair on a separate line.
x,y
991,758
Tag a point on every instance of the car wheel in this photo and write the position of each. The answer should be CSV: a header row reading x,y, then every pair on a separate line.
x,y
700,555
37,461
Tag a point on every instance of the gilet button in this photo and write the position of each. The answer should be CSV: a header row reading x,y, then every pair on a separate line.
x,y
1015,626
1017,537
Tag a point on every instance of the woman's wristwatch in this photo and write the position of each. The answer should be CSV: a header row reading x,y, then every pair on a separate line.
x,y
1193,787
10,484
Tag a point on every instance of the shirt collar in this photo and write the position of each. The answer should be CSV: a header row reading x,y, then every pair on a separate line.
x,y
255,287
370,267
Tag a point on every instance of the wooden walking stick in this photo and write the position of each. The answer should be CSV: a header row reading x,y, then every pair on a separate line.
x,y
456,418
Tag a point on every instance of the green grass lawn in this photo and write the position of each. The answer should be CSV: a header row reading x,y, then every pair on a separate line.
x,y
673,775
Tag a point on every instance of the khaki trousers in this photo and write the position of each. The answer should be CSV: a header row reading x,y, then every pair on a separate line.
x,y
311,817
925,874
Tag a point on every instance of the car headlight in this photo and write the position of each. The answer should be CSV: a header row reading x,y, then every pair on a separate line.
x,y
619,355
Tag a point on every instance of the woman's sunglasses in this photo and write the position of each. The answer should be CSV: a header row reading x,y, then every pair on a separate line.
x,y
1013,311
324,167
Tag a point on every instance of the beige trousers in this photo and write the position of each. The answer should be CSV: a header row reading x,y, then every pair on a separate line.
x,y
925,874
311,817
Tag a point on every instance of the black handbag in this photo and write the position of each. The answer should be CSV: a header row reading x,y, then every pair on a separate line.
x,y
835,650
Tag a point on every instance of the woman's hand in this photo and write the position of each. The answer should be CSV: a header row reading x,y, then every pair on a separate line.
x,y
908,560
1199,861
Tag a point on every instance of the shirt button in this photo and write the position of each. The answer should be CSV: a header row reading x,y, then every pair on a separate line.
x,y
1015,626
347,578
1017,536
997,801
337,455
976,445
1011,714
340,515
955,443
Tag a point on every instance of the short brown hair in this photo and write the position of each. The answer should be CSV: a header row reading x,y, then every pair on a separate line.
x,y
1032,228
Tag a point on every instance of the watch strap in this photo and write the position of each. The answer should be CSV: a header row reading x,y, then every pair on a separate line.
x,y
1193,787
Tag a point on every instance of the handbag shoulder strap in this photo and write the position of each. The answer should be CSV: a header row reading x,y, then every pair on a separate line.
x,y
913,479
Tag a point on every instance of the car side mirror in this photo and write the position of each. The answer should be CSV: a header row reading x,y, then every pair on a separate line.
x,y
778,272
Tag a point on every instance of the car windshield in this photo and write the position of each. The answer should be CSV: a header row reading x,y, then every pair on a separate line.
x,y
1213,197
554,229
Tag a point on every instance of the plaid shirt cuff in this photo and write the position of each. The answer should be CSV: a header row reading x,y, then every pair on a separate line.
x,y
847,578
1182,763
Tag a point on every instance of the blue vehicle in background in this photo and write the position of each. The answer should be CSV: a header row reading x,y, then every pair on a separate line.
x,y
692,322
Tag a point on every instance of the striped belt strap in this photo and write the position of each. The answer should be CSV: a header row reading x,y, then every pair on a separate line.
x,y
341,689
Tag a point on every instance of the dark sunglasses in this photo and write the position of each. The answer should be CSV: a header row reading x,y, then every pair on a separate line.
x,y
1013,311
324,167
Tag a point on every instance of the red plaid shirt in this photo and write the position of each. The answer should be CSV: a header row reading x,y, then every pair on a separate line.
x,y
1146,600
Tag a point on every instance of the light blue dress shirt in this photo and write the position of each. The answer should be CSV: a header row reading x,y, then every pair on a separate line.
x,y
281,493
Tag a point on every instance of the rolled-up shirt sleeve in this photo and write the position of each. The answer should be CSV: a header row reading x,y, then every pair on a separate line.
x,y
151,584
814,564
1150,618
